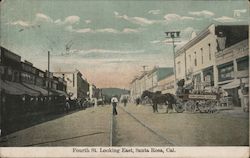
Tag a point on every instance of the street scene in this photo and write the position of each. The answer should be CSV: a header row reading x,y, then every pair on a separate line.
x,y
127,73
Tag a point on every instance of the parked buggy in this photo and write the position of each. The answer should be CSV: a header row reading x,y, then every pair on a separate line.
x,y
203,102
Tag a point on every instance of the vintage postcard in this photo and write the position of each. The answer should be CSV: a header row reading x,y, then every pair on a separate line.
x,y
124,78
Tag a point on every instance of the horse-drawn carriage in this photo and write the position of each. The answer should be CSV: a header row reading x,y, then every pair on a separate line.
x,y
204,102
184,100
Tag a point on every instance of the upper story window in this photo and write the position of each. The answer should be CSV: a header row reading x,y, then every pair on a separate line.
x,y
209,51
201,55
179,67
73,80
195,60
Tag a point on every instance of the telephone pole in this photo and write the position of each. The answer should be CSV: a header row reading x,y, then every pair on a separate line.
x,y
173,35
48,77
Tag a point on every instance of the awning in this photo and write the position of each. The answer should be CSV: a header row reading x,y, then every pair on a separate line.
x,y
231,85
37,88
60,93
9,89
21,87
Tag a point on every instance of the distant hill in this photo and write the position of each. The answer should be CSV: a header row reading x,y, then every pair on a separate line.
x,y
114,91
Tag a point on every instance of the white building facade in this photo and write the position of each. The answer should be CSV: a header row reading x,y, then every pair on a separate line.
x,y
195,61
166,85
77,85
148,81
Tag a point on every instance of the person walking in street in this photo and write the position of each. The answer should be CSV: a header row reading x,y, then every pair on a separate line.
x,y
125,101
114,102
67,106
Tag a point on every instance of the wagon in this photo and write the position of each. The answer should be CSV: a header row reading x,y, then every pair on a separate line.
x,y
204,103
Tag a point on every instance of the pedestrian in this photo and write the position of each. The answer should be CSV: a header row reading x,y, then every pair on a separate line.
x,y
243,95
67,106
137,101
114,102
125,101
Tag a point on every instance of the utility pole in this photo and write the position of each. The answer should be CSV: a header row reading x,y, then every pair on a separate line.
x,y
48,77
144,80
173,35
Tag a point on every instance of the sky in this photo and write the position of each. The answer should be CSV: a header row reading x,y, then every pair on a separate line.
x,y
108,40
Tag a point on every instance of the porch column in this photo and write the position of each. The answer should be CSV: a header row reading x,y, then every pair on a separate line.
x,y
216,75
235,68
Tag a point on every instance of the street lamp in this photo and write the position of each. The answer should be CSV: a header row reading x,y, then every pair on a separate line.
x,y
173,35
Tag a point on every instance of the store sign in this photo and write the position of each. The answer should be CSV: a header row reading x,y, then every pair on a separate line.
x,y
205,97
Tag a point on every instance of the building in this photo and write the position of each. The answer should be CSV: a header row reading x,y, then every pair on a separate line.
x,y
233,68
148,80
155,76
166,85
26,90
134,89
196,60
77,85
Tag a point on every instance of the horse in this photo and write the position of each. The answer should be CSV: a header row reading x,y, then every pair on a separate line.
x,y
158,98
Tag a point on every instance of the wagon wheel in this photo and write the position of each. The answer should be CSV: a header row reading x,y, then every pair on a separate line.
x,y
212,106
203,106
190,106
179,106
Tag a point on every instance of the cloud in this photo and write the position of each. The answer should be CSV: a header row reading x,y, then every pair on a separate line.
x,y
40,17
136,20
104,30
175,17
97,50
87,21
108,30
85,30
129,30
186,33
203,13
155,12
20,23
225,19
70,20
155,41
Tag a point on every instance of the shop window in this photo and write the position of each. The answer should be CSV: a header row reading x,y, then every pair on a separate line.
x,y
226,72
243,64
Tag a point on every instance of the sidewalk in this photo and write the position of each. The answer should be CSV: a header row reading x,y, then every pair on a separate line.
x,y
90,127
234,112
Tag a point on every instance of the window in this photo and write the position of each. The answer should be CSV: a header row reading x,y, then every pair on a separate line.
x,y
201,55
226,72
209,50
73,80
195,60
179,67
190,61
243,64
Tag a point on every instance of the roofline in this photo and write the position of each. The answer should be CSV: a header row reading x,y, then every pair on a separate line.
x,y
196,39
